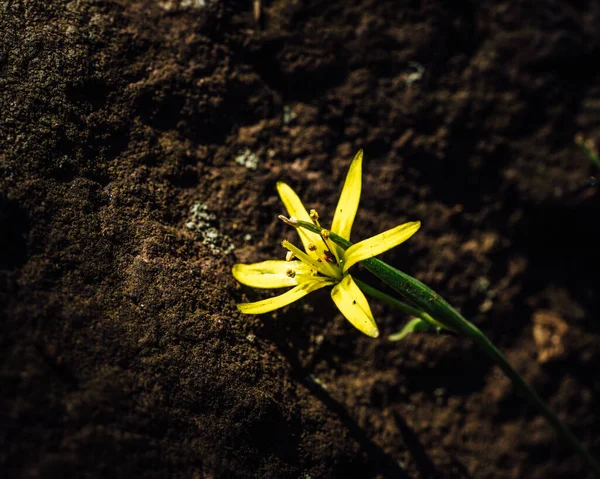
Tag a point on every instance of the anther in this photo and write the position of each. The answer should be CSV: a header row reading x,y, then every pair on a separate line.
x,y
291,273
325,234
312,247
314,216
289,256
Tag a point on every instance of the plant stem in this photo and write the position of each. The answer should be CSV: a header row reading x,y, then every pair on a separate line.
x,y
560,427
434,306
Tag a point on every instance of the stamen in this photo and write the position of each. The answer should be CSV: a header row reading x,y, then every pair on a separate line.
x,y
328,255
314,216
312,247
289,256
324,268
291,273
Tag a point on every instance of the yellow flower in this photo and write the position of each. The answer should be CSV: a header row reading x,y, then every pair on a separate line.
x,y
323,263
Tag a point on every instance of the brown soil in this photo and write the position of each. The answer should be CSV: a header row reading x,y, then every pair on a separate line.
x,y
123,127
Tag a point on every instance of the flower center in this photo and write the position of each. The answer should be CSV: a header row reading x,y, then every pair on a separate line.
x,y
321,253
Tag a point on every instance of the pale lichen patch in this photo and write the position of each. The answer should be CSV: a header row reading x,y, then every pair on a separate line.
x,y
202,223
247,159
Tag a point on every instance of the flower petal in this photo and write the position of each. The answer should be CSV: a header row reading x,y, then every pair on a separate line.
x,y
380,243
351,301
308,285
295,208
345,212
270,274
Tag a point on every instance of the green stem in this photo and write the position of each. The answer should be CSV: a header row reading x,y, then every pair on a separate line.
x,y
436,307
559,426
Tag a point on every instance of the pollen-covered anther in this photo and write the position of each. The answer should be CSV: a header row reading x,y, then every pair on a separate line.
x,y
325,234
291,273
314,215
311,247
289,256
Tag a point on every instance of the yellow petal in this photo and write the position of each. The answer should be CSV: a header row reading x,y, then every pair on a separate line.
x,y
351,301
270,274
295,208
308,285
378,244
292,202
347,206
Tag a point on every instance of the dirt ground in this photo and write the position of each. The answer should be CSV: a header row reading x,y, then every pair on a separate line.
x,y
140,144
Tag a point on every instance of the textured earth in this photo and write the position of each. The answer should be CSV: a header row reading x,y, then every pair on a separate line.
x,y
140,145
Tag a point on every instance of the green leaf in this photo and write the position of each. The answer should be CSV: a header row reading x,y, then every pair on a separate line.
x,y
413,326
